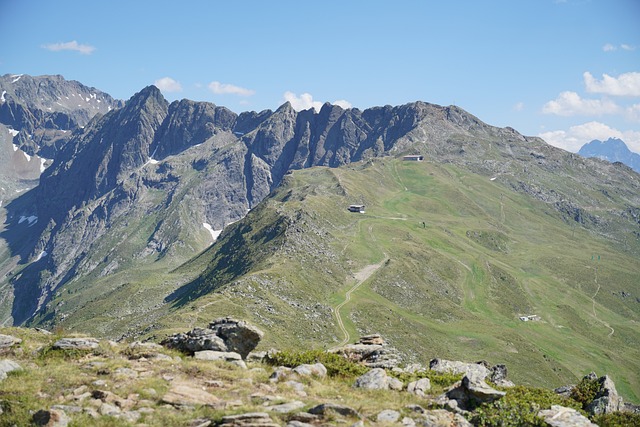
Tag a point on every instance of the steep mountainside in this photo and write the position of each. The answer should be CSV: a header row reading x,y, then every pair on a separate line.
x,y
144,188
611,150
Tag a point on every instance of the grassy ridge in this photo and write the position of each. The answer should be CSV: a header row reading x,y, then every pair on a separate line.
x,y
467,256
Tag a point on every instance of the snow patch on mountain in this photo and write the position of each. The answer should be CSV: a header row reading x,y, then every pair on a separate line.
x,y
214,233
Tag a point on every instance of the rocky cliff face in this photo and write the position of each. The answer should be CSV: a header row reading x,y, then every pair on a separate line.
x,y
139,182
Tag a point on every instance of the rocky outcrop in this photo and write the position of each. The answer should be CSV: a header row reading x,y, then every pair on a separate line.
x,y
607,399
371,351
473,391
377,379
222,335
6,366
7,341
76,344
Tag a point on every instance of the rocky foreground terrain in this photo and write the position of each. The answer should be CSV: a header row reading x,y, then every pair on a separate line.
x,y
213,376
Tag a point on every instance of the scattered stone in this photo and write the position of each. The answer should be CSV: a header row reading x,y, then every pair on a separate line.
x,y
72,409
298,387
126,372
76,344
200,422
374,339
99,383
184,395
296,423
607,399
456,367
317,369
6,366
214,383
50,418
408,422
388,416
109,409
559,416
326,408
251,419
395,384
43,331
279,374
473,391
443,418
7,341
565,390
375,379
304,417
286,407
226,356
416,408
420,387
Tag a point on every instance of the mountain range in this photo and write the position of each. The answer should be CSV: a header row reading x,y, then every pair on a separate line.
x,y
612,150
142,217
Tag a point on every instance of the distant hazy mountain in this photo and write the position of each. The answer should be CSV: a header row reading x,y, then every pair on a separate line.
x,y
612,150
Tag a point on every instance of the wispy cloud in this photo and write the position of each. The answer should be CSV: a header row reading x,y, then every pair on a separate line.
x,y
519,106
627,47
84,49
574,138
627,84
167,84
226,88
612,48
305,101
571,104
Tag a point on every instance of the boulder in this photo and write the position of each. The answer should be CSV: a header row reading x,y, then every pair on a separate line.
x,y
76,344
286,407
184,395
375,379
250,419
7,341
50,418
371,354
473,391
7,366
225,334
607,399
559,416
226,356
374,339
317,370
420,387
388,416
238,335
442,418
456,367
328,408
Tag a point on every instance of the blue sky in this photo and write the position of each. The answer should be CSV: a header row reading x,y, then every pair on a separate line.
x,y
566,70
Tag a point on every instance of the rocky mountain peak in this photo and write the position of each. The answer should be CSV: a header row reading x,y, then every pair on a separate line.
x,y
612,150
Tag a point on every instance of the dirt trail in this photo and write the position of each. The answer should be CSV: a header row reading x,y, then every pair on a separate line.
x,y
361,277
593,305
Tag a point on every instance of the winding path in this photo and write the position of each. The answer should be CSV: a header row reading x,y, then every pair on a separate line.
x,y
361,277
593,306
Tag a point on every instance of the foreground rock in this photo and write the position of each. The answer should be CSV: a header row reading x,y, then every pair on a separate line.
x,y
559,416
184,395
224,334
7,341
473,391
372,351
7,366
377,379
607,399
76,344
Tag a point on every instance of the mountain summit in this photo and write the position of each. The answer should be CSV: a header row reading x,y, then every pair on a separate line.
x,y
612,150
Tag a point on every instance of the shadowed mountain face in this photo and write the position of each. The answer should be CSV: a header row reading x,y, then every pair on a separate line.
x,y
137,185
612,150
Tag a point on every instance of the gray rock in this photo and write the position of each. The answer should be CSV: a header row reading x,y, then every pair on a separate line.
x,y
50,418
250,419
226,356
317,370
7,366
296,423
238,335
473,391
198,339
607,399
371,355
388,416
184,395
286,407
7,341
420,387
559,416
279,373
456,367
442,418
408,422
327,408
394,383
375,379
373,339
565,390
76,344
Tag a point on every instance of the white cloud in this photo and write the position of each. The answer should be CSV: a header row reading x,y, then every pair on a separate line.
x,y
609,47
571,104
84,49
633,113
226,88
627,47
627,84
305,101
577,136
518,106
167,84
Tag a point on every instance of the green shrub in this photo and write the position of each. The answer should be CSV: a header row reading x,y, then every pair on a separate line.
x,y
336,365
519,407
585,391
617,419
445,379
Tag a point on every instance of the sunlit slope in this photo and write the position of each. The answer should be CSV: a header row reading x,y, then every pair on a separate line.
x,y
466,257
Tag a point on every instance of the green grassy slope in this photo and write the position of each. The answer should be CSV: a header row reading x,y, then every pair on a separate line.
x,y
466,257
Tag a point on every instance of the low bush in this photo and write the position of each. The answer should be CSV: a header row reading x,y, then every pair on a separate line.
x,y
336,365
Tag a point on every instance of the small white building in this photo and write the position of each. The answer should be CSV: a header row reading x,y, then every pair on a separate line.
x,y
413,158
530,318
356,208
